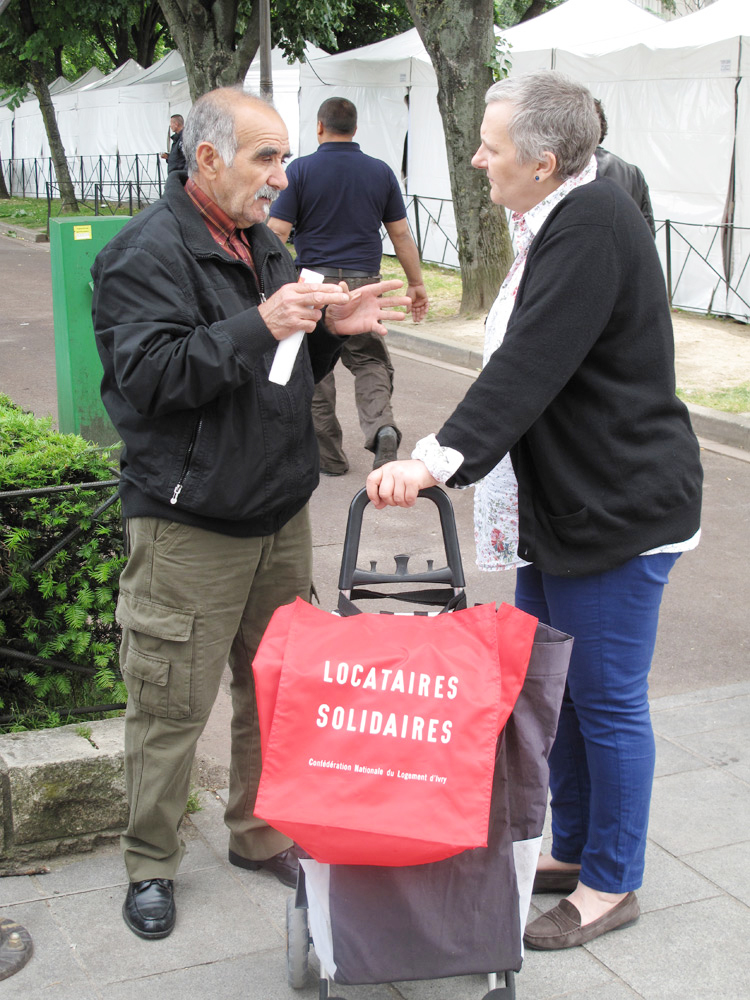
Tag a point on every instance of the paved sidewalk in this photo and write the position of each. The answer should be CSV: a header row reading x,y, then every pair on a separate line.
x,y
691,941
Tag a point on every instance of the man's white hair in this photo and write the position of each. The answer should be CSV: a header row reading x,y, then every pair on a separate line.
x,y
211,119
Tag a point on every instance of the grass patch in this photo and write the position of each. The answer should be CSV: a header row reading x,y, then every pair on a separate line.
x,y
734,400
194,802
443,286
31,213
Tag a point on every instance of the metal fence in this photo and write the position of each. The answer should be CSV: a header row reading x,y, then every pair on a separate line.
x,y
706,267
113,175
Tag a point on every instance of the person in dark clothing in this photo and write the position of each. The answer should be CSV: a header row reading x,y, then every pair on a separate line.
x,y
627,175
580,389
192,300
175,157
337,200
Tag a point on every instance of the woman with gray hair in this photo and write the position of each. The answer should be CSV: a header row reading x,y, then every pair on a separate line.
x,y
604,490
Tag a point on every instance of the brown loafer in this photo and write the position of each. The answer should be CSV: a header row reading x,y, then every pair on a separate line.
x,y
561,927
556,880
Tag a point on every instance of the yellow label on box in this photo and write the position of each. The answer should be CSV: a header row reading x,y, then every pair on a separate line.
x,y
82,233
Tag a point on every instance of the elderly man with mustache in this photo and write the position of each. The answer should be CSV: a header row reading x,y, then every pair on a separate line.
x,y
191,301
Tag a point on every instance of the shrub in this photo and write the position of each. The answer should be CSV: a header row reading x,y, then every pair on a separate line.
x,y
59,609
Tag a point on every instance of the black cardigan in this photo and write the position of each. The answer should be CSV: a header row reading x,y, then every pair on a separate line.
x,y
582,393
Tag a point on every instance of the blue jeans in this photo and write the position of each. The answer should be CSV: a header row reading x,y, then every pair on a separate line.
x,y
602,761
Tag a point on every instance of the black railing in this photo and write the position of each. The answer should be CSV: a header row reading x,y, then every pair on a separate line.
x,y
27,178
100,205
716,257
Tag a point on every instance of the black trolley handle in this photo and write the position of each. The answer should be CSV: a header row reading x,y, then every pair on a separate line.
x,y
452,574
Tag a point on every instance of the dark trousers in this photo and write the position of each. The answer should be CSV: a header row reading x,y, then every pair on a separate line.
x,y
367,358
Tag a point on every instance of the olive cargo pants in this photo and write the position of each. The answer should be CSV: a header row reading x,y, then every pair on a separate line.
x,y
190,602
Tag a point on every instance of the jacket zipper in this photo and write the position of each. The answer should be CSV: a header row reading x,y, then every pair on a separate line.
x,y
260,279
188,456
186,463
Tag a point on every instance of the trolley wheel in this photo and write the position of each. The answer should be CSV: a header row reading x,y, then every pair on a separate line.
x,y
297,945
506,992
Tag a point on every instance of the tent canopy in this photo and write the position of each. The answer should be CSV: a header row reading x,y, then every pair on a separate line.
x,y
128,110
378,78
579,23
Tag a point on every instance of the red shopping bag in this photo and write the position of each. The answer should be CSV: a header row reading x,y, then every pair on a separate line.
x,y
378,732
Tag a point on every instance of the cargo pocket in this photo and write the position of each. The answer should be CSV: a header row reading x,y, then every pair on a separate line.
x,y
156,656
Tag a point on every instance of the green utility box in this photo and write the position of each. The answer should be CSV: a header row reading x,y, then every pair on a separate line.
x,y
74,243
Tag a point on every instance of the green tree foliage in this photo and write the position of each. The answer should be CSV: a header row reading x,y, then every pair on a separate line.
x,y
218,40
511,12
369,21
110,33
31,31
63,610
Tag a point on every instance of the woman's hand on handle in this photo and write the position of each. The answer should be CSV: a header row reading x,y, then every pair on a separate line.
x,y
398,483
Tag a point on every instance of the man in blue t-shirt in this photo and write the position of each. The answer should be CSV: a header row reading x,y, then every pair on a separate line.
x,y
336,200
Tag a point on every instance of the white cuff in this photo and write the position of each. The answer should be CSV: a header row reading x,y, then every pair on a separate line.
x,y
441,462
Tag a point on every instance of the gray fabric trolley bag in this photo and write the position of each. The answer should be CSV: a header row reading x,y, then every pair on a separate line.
x,y
457,917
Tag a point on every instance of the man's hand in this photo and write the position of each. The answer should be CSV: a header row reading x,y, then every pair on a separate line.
x,y
398,483
419,301
298,307
365,312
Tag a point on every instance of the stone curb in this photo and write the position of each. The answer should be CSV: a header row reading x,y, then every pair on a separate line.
x,y
22,233
730,429
62,789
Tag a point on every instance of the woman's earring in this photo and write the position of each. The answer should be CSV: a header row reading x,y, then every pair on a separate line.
x,y
537,177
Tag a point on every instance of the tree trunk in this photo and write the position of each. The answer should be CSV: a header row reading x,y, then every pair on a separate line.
x,y
205,37
535,9
4,193
122,41
460,41
57,151
145,34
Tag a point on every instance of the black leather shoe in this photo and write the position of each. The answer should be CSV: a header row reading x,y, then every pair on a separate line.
x,y
149,909
386,447
284,866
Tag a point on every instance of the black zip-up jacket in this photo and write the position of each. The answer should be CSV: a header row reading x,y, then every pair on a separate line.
x,y
630,178
208,439
582,393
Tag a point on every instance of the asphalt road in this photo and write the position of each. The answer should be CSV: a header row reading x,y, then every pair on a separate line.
x,y
704,637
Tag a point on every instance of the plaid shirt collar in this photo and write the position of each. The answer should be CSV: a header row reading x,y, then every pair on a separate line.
x,y
224,232
219,224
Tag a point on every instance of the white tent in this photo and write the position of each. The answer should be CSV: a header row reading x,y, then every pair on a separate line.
x,y
286,84
378,79
574,25
678,100
128,110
